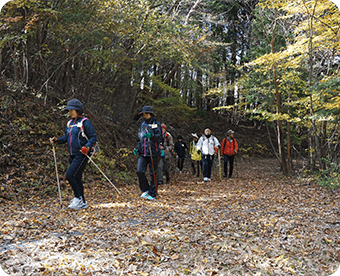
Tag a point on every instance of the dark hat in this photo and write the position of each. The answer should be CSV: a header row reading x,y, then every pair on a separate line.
x,y
147,109
230,132
74,104
207,128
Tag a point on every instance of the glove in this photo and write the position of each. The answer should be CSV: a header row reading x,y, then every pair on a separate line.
x,y
198,151
53,140
135,152
147,135
85,150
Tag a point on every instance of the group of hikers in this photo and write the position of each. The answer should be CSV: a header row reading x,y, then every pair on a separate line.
x,y
155,148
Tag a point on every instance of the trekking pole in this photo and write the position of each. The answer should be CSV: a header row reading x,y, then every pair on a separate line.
x,y
219,163
102,173
235,166
56,171
153,169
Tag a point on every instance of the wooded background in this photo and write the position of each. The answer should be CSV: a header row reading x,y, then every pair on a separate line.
x,y
273,61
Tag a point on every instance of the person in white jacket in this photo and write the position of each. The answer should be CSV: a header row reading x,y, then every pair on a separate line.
x,y
207,145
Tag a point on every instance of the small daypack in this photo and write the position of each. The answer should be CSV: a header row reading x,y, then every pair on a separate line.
x,y
95,149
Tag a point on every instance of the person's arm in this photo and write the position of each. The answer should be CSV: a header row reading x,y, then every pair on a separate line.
x,y
90,134
199,145
222,147
171,142
236,146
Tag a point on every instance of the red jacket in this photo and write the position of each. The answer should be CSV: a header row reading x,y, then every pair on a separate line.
x,y
229,148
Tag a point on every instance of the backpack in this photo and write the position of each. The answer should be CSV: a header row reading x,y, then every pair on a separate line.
x,y
95,149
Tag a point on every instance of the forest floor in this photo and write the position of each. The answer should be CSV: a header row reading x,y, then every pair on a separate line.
x,y
256,223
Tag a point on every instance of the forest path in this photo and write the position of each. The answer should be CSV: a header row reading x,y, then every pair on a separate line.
x,y
257,223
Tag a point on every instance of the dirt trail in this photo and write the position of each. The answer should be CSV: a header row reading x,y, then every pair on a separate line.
x,y
258,223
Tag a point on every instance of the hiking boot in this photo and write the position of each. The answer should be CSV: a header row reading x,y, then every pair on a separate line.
x,y
145,194
167,181
150,198
194,173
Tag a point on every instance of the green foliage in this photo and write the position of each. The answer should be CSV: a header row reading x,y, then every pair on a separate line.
x,y
330,177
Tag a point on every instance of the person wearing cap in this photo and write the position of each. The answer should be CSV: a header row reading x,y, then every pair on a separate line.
x,y
148,148
194,155
207,145
80,137
166,150
228,150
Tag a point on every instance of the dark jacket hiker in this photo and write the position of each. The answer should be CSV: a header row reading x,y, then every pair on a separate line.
x,y
148,147
80,138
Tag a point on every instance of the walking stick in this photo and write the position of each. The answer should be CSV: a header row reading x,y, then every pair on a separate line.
x,y
102,173
219,163
56,171
235,166
153,169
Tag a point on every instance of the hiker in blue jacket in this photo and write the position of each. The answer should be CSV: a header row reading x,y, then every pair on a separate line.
x,y
149,135
80,137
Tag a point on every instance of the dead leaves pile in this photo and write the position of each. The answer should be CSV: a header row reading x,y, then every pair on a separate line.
x,y
259,223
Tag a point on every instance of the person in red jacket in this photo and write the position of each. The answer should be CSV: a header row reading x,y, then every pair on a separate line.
x,y
228,150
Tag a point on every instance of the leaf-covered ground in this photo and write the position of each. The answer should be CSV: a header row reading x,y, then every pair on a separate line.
x,y
257,223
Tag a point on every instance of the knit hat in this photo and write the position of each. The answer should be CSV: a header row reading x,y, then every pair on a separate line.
x,y
74,104
163,126
230,132
147,109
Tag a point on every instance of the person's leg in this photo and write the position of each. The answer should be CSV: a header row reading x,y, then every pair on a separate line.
x,y
193,167
167,170
181,164
74,174
225,161
198,163
141,168
161,167
152,187
205,169
210,163
79,174
231,163
178,163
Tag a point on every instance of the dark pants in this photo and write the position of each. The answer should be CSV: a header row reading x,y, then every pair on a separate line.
x,y
74,174
229,159
198,164
207,162
143,162
180,162
163,167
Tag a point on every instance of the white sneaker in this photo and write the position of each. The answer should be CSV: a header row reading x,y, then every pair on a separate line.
x,y
145,194
77,203
205,179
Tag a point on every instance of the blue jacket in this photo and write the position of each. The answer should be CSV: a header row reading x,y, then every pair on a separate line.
x,y
74,137
153,127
